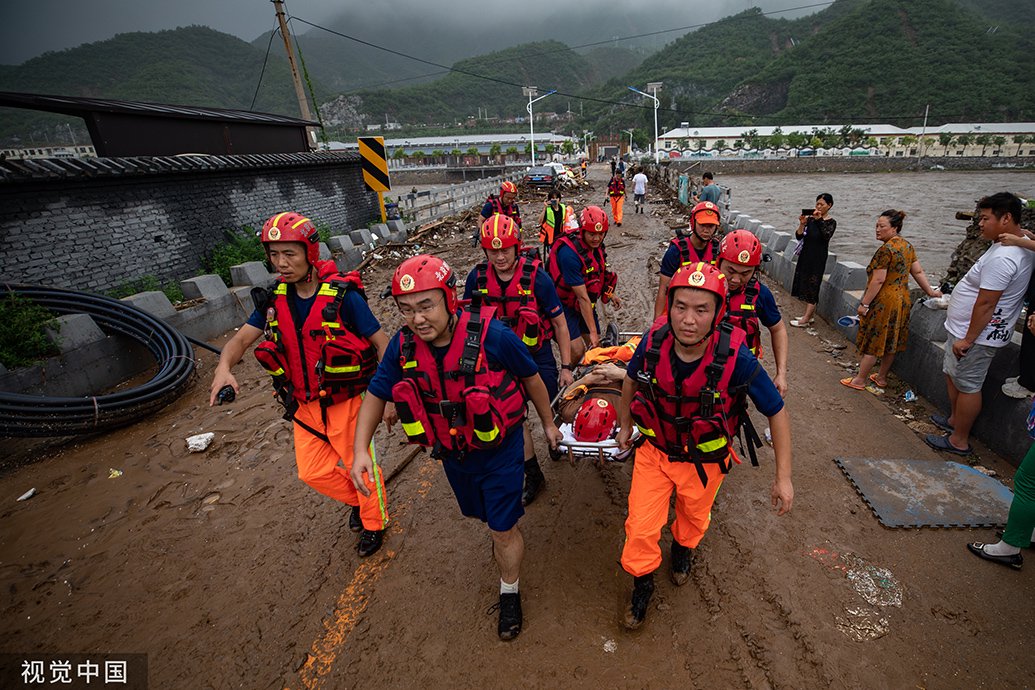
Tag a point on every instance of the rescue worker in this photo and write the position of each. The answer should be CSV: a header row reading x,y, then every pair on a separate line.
x,y
616,195
460,380
505,203
525,300
579,270
556,219
751,304
322,347
700,244
679,391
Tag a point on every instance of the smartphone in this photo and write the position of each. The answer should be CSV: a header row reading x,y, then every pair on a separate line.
x,y
807,211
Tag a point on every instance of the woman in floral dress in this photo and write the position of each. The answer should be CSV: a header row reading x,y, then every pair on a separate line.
x,y
884,309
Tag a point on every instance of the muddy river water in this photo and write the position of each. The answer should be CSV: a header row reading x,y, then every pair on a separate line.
x,y
930,200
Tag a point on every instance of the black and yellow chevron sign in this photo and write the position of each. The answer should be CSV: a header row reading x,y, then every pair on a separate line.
x,y
375,163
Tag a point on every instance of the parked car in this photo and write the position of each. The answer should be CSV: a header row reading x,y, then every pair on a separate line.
x,y
541,176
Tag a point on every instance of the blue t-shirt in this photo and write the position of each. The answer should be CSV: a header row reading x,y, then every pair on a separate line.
x,y
570,265
711,192
545,291
761,390
354,312
503,348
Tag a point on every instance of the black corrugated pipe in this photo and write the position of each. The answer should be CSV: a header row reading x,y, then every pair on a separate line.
x,y
33,415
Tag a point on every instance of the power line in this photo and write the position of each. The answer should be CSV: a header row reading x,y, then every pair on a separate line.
x,y
275,31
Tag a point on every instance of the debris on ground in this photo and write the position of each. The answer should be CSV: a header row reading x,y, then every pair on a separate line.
x,y
28,494
199,442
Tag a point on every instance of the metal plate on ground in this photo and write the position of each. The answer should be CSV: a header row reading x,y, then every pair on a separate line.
x,y
927,493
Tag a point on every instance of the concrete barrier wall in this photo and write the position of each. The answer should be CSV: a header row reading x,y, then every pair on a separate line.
x,y
1001,423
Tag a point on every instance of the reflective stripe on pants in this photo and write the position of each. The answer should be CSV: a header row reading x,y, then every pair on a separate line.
x,y
318,461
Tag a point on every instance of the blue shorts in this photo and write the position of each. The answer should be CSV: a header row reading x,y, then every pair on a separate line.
x,y
547,368
494,495
576,324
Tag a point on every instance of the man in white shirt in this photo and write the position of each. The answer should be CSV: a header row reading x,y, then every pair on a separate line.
x,y
982,312
639,190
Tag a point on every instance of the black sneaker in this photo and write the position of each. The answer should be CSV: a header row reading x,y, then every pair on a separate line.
x,y
535,480
509,607
682,559
643,590
369,542
355,524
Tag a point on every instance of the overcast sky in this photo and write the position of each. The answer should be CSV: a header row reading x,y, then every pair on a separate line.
x,y
36,26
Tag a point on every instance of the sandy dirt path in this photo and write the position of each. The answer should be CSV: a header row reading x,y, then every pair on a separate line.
x,y
228,572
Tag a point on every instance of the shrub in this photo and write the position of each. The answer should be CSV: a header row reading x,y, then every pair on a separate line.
x,y
147,283
23,339
239,247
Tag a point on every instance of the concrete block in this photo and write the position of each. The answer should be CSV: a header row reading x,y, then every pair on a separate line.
x,y
778,241
153,302
74,331
848,275
397,230
349,259
765,231
361,238
250,273
928,324
341,243
752,225
831,262
325,252
243,295
379,233
204,287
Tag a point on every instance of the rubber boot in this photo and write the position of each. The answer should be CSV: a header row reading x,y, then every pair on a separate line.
x,y
643,590
534,481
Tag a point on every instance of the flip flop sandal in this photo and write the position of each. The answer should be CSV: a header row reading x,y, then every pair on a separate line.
x,y
942,422
942,443
847,383
878,384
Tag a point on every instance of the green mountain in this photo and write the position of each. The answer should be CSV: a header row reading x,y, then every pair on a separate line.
x,y
546,64
188,66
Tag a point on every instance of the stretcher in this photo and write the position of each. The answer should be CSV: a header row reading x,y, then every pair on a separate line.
x,y
600,451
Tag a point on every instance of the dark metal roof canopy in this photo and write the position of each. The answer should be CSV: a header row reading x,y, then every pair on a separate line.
x,y
134,128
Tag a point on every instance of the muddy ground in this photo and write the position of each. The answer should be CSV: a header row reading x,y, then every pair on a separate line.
x,y
228,572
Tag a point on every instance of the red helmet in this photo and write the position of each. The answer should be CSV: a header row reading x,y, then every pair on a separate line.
x,y
499,231
595,420
741,247
425,272
508,186
705,212
293,227
593,219
702,276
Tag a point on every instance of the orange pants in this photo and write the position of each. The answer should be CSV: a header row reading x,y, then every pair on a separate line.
x,y
653,480
616,207
318,460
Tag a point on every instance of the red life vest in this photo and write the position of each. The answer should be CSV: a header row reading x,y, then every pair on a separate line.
x,y
740,311
320,357
616,188
516,306
598,280
688,253
695,419
510,210
465,402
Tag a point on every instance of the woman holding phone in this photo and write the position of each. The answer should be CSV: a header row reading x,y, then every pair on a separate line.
x,y
815,228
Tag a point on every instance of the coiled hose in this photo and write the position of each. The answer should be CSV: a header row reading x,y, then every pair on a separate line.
x,y
35,416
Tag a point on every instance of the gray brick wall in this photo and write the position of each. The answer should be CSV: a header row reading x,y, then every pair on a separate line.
x,y
95,234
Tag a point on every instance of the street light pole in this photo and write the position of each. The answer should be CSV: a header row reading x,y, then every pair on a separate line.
x,y
653,87
531,91
630,133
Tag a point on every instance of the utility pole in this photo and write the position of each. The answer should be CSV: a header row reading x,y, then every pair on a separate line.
x,y
923,133
303,103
